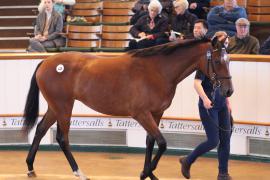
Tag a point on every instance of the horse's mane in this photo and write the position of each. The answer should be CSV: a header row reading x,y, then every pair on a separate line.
x,y
165,49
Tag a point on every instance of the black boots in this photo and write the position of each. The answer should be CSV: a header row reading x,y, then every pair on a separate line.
x,y
224,176
185,169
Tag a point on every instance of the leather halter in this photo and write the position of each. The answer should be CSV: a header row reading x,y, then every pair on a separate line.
x,y
214,77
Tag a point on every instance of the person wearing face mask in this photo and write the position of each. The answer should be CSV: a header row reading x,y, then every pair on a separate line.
x,y
59,6
49,25
183,21
150,29
223,18
242,42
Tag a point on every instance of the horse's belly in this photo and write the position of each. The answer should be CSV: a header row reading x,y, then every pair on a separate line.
x,y
104,98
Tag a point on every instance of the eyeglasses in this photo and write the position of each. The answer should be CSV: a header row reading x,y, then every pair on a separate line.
x,y
242,25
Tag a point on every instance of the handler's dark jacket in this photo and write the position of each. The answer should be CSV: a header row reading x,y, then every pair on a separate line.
x,y
184,23
142,25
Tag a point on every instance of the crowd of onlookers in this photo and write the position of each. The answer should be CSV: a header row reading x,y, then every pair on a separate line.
x,y
157,22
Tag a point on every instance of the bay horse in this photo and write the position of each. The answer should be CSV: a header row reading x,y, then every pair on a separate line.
x,y
140,84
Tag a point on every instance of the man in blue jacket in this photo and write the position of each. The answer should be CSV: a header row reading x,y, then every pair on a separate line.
x,y
223,18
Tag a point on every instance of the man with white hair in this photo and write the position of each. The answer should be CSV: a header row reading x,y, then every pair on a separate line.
x,y
150,29
243,42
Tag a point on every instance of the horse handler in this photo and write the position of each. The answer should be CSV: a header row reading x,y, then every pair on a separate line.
x,y
215,117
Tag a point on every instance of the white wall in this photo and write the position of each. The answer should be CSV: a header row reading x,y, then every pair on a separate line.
x,y
250,101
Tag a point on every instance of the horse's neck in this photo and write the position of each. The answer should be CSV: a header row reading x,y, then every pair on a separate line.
x,y
181,64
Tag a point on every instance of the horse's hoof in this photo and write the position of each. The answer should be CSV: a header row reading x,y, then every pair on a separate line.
x,y
153,177
84,178
143,176
31,174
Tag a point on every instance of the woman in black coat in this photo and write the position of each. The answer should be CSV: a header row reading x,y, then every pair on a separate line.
x,y
183,21
150,29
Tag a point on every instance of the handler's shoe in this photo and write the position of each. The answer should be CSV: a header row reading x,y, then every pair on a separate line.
x,y
224,176
185,169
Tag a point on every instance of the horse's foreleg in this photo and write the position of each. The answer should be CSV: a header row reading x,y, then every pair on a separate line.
x,y
63,141
150,141
162,144
149,124
41,130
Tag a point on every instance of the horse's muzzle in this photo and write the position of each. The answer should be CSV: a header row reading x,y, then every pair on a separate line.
x,y
229,92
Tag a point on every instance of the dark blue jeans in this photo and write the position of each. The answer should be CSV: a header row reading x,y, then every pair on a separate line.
x,y
215,136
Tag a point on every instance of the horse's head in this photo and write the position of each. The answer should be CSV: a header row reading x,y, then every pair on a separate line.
x,y
218,65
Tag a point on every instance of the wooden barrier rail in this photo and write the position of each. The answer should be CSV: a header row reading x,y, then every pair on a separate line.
x,y
31,56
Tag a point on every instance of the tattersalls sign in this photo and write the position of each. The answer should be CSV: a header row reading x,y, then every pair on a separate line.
x,y
129,123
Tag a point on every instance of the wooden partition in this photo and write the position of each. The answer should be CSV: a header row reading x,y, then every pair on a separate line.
x,y
259,10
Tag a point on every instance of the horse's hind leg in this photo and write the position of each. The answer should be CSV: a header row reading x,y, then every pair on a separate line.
x,y
63,126
46,122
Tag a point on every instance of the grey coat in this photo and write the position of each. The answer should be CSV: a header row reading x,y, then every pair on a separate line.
x,y
55,27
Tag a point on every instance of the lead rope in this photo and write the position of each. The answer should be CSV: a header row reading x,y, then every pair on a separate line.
x,y
213,96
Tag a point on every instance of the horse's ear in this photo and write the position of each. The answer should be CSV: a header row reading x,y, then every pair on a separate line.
x,y
214,41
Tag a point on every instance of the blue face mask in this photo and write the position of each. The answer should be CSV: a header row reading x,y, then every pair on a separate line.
x,y
60,8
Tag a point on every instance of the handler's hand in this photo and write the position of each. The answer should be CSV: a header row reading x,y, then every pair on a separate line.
x,y
207,103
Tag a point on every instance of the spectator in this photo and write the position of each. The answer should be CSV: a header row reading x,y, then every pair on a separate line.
x,y
49,25
222,18
139,5
265,49
199,7
150,29
167,8
59,6
200,29
243,42
183,21
140,9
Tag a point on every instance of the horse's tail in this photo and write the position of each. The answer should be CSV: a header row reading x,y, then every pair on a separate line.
x,y
31,108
